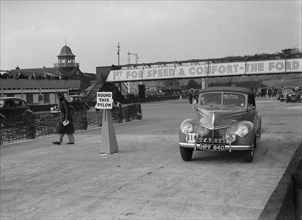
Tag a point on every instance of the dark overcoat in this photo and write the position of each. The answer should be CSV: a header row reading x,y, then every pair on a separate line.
x,y
65,113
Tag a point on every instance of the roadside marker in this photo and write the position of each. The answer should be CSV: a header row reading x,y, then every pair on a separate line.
x,y
108,138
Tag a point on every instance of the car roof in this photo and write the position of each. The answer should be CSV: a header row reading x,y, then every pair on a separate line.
x,y
227,89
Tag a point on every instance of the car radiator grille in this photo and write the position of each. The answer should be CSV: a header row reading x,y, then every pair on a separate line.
x,y
213,136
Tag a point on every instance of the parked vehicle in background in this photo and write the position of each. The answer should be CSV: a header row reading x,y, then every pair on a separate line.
x,y
77,103
13,107
290,94
226,119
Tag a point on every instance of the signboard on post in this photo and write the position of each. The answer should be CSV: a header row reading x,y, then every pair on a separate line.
x,y
108,138
104,100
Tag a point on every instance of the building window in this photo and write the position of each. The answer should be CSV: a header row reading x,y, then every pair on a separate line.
x,y
29,98
46,98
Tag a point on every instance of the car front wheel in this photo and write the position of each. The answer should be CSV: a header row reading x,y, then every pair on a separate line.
x,y
249,154
186,153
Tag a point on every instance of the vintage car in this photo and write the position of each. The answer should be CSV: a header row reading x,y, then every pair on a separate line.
x,y
13,108
226,119
290,94
76,102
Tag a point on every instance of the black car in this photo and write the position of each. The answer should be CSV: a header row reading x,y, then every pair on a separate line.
x,y
77,102
13,108
225,119
290,94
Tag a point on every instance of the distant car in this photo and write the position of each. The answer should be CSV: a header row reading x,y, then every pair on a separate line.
x,y
290,94
76,102
226,119
13,108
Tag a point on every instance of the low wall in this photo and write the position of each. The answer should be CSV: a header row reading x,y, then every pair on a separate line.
x,y
45,124
286,200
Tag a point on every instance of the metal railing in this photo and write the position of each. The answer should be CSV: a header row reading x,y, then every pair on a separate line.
x,y
16,129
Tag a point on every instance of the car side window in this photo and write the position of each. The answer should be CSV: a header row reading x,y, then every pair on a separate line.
x,y
9,104
19,103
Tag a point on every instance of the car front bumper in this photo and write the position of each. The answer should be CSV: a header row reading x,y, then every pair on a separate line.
x,y
227,147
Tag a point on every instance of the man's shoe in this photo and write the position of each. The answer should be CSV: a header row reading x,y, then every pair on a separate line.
x,y
70,143
56,143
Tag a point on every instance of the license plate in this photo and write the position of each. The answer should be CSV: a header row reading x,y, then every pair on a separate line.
x,y
214,147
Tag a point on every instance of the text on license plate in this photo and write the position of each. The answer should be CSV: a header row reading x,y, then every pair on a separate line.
x,y
205,146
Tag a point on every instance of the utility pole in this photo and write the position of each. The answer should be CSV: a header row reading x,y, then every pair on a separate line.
x,y
118,53
136,57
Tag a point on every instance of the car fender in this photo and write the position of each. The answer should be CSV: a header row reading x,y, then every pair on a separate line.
x,y
257,125
181,135
3,119
249,138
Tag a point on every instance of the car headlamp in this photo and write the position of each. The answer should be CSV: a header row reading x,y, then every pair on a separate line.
x,y
237,129
186,127
242,130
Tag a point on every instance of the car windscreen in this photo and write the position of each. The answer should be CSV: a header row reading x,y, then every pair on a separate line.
x,y
223,98
212,98
234,99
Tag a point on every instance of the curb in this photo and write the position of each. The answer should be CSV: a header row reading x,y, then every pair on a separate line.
x,y
286,202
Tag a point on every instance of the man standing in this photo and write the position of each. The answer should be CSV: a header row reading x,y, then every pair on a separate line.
x,y
65,122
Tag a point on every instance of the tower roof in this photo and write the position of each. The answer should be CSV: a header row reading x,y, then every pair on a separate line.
x,y
66,52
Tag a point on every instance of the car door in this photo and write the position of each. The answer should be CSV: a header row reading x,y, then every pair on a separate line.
x,y
19,107
9,108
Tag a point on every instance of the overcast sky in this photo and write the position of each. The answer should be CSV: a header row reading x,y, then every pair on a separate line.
x,y
33,32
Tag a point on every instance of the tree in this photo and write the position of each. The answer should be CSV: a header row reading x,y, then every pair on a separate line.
x,y
193,84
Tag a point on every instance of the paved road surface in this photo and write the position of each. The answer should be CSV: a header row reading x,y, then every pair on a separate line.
x,y
147,178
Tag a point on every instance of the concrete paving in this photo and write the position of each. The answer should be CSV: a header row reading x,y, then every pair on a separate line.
x,y
146,179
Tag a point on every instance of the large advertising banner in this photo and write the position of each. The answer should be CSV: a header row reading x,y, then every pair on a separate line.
x,y
207,70
274,66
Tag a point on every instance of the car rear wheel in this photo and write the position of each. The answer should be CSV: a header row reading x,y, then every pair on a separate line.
x,y
186,153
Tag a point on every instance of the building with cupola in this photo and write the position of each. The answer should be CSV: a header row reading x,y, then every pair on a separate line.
x,y
39,86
